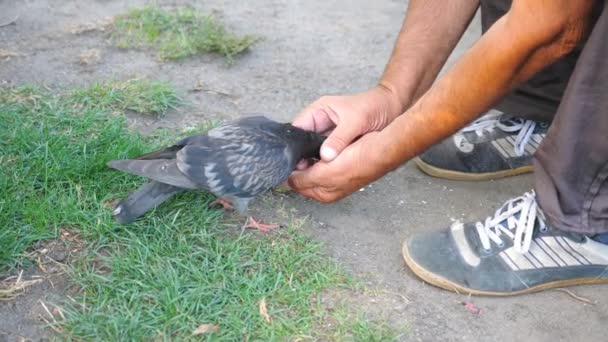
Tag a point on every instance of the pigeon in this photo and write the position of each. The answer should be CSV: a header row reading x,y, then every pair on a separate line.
x,y
236,162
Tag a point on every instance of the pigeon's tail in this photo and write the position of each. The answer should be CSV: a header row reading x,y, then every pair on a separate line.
x,y
143,199
160,170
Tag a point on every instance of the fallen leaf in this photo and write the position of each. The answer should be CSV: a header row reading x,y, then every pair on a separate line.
x,y
111,203
264,311
90,57
206,329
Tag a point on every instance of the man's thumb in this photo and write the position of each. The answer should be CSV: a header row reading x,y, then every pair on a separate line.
x,y
337,141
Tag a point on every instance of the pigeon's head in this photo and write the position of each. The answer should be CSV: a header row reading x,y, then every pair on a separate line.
x,y
305,143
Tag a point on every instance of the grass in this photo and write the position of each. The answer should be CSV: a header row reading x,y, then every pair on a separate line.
x,y
177,34
177,268
136,95
360,328
52,172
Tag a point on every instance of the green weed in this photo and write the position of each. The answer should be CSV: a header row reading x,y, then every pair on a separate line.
x,y
177,34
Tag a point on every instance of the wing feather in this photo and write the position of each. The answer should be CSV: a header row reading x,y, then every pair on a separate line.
x,y
236,161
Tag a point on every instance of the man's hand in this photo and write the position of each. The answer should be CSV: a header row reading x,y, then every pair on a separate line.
x,y
345,118
421,50
352,169
532,35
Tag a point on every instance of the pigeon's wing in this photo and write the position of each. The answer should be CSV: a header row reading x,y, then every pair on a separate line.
x,y
267,165
171,151
236,162
160,170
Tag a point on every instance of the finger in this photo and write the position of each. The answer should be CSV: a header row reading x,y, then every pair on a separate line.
x,y
311,193
314,119
320,195
296,182
305,179
342,136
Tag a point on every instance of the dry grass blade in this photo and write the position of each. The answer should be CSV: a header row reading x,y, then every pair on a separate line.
x,y
200,86
10,290
53,324
264,311
98,25
8,54
405,299
47,310
573,295
206,329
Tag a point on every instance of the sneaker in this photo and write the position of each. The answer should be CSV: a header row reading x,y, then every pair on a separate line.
x,y
516,251
493,146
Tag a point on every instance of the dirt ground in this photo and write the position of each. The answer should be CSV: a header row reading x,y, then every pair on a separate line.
x,y
310,48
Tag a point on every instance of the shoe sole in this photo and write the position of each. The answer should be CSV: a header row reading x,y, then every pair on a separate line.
x,y
464,176
449,285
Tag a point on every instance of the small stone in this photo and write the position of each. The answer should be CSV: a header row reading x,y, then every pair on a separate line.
x,y
59,256
90,57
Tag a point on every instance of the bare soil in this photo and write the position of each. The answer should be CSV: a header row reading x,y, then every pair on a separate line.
x,y
28,311
310,49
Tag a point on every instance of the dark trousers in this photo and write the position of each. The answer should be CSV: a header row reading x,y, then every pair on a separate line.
x,y
571,165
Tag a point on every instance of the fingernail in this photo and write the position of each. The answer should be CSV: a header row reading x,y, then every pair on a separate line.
x,y
328,153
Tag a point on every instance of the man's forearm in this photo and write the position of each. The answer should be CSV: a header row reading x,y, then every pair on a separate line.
x,y
430,31
517,46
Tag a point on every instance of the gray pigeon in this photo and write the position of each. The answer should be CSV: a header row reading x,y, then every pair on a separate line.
x,y
236,161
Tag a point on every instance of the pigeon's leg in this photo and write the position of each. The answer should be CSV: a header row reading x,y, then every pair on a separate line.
x,y
252,223
223,202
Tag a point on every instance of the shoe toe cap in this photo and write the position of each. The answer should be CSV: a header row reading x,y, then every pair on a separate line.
x,y
436,259
436,254
444,156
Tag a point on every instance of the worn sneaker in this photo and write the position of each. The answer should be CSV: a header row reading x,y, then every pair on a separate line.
x,y
493,146
513,252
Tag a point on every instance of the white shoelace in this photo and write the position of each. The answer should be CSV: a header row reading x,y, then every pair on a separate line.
x,y
518,228
492,120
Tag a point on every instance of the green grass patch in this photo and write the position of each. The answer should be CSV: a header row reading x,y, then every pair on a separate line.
x,y
177,268
136,95
355,326
52,167
177,33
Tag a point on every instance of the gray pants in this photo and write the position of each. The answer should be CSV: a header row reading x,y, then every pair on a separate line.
x,y
571,165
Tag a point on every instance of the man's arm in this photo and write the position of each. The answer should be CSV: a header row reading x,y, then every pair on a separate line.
x,y
429,33
532,35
